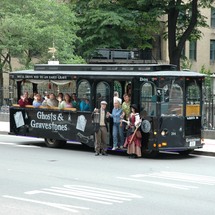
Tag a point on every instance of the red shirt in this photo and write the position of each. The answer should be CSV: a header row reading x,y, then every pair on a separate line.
x,y
23,103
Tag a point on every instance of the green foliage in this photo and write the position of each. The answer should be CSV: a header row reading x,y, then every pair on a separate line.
x,y
186,64
28,28
207,72
114,24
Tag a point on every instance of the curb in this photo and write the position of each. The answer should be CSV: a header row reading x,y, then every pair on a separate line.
x,y
4,132
206,153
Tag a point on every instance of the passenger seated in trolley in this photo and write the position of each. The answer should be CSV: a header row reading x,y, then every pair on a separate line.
x,y
37,101
60,97
24,100
51,101
66,103
85,105
75,101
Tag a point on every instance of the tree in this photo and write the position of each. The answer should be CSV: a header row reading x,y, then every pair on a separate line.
x,y
183,20
29,27
113,24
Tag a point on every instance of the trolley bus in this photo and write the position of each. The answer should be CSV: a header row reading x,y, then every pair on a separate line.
x,y
170,103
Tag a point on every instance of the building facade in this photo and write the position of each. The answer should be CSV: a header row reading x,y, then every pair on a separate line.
x,y
202,52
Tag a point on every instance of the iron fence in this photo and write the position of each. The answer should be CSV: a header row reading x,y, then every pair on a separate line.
x,y
208,112
6,99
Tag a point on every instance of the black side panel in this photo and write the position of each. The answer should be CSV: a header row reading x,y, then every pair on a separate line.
x,y
174,131
193,126
53,124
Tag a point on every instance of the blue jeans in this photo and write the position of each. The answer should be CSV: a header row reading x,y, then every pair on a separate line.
x,y
117,131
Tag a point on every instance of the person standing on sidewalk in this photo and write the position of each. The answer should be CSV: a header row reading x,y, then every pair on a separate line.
x,y
117,125
133,139
100,119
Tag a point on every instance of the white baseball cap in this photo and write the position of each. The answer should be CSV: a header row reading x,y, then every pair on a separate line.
x,y
103,102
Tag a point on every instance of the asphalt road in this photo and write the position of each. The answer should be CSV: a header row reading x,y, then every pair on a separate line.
x,y
39,180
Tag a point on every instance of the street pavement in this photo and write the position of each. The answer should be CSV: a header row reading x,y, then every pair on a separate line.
x,y
208,148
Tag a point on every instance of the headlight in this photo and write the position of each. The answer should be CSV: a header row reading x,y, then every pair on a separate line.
x,y
164,132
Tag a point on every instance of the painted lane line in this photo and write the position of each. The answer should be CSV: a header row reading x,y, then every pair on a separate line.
x,y
210,180
86,195
118,193
178,176
177,186
64,207
27,146
204,156
5,143
19,145
67,196
112,194
23,137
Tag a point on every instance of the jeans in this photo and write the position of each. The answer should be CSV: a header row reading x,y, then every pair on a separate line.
x,y
117,131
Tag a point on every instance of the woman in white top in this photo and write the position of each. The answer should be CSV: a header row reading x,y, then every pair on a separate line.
x,y
66,103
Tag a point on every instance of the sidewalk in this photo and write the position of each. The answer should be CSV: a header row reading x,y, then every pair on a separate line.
x,y
208,148
4,127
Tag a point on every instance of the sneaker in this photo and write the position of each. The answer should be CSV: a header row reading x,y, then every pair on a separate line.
x,y
114,148
121,147
104,153
96,154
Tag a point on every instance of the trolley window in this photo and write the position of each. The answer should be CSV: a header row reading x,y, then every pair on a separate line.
x,y
102,93
148,99
193,99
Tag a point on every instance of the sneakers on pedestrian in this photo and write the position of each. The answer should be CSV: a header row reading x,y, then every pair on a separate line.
x,y
114,148
104,153
121,147
96,154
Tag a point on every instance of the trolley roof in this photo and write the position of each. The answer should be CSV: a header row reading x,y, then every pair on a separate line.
x,y
68,72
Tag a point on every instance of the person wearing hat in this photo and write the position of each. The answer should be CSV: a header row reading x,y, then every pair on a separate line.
x,y
100,120
133,139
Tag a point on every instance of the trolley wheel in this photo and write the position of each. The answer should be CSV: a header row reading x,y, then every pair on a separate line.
x,y
149,153
52,143
186,152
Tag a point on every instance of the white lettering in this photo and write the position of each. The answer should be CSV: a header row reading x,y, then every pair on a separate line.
x,y
48,126
50,116
60,117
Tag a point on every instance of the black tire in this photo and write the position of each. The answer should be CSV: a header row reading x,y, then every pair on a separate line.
x,y
52,143
149,153
186,152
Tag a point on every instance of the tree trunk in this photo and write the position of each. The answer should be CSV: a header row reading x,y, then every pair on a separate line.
x,y
1,86
172,22
4,59
175,58
175,48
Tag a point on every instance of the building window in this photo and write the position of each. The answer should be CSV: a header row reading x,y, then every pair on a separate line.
x,y
212,17
183,55
192,54
212,51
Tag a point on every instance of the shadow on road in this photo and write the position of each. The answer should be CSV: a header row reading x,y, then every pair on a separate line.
x,y
80,147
